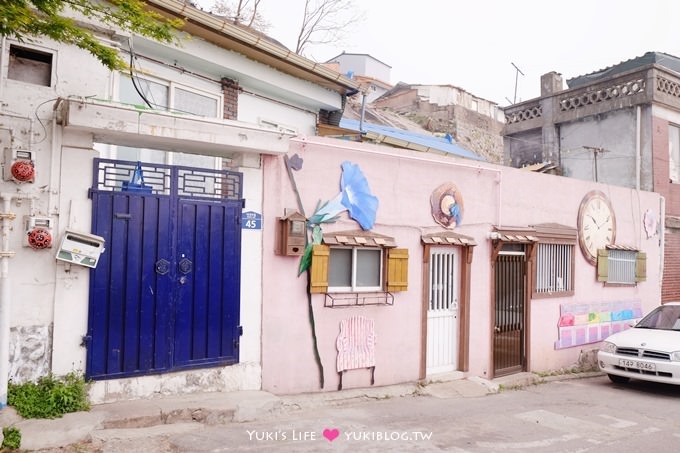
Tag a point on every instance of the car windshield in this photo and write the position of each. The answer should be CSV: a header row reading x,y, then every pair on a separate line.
x,y
665,317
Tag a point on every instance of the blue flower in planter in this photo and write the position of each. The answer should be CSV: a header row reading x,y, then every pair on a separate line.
x,y
355,196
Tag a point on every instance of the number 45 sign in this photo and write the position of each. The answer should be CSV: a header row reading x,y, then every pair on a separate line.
x,y
251,220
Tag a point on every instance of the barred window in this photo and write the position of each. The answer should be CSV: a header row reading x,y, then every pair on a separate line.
x,y
624,267
554,269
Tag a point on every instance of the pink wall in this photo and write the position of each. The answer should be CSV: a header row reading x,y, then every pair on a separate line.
x,y
403,182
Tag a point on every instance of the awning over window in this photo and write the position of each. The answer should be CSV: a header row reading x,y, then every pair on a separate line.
x,y
629,248
358,238
519,235
447,238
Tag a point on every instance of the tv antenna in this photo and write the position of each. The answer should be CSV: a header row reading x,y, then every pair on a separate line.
x,y
517,73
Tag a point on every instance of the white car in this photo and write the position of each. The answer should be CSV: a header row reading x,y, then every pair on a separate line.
x,y
649,351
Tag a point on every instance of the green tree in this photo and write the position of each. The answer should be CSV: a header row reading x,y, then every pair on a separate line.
x,y
27,20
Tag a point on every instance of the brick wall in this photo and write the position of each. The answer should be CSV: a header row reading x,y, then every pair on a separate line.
x,y
230,90
660,163
670,288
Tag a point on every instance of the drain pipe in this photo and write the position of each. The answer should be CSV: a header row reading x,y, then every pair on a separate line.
x,y
5,296
5,217
363,113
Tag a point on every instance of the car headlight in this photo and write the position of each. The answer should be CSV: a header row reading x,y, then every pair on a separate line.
x,y
675,356
609,347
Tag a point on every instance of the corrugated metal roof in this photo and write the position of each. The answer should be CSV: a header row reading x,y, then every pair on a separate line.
x,y
407,139
662,59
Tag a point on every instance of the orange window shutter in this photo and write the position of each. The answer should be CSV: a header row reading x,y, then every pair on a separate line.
x,y
318,280
397,269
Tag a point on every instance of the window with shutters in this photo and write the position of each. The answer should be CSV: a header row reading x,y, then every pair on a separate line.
x,y
354,269
623,267
340,266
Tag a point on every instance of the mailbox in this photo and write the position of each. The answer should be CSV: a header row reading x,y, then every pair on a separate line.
x,y
80,248
292,234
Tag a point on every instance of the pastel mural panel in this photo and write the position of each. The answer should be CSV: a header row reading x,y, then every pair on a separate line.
x,y
581,324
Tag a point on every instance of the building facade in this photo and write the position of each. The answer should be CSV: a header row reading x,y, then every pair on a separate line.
x,y
132,203
616,126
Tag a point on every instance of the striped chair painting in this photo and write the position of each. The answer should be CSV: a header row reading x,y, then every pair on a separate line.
x,y
356,346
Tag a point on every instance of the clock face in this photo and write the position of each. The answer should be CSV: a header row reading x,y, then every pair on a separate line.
x,y
596,224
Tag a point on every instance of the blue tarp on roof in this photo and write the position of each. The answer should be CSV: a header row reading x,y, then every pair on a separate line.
x,y
441,144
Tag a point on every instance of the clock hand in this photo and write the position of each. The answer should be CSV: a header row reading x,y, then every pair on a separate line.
x,y
603,222
594,221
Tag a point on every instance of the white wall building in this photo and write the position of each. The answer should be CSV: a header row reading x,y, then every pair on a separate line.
x,y
199,116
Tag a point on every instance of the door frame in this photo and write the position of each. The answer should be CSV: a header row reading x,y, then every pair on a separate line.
x,y
466,245
175,185
499,237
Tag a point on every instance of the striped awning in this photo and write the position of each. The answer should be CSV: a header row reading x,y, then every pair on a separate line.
x,y
447,238
358,238
630,248
519,235
517,238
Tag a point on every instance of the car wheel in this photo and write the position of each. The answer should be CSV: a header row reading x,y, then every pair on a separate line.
x,y
618,379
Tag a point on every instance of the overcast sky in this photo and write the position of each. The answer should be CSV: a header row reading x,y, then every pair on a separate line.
x,y
473,44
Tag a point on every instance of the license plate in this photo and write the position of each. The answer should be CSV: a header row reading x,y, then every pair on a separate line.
x,y
637,364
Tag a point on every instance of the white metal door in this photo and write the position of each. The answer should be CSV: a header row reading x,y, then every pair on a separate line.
x,y
442,313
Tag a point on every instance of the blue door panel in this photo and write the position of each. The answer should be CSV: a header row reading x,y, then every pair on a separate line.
x,y
166,293
203,332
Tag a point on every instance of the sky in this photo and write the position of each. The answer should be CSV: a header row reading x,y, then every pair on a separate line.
x,y
477,45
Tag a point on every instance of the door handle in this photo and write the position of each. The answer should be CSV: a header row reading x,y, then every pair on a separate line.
x,y
185,265
497,329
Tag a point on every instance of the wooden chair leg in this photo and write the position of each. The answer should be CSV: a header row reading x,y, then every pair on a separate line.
x,y
340,384
372,374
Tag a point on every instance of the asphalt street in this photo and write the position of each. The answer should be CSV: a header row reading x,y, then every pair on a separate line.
x,y
576,415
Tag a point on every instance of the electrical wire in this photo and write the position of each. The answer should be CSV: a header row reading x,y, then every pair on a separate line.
x,y
132,76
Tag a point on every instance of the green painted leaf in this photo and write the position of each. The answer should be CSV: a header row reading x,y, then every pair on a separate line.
x,y
305,260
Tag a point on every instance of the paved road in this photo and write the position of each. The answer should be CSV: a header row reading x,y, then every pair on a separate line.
x,y
578,415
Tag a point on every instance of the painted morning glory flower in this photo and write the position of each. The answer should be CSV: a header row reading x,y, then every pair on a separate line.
x,y
355,196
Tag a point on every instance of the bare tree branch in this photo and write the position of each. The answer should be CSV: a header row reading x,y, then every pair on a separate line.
x,y
326,21
242,12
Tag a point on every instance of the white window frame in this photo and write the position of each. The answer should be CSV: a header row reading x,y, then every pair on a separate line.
x,y
674,153
219,97
548,275
111,151
353,288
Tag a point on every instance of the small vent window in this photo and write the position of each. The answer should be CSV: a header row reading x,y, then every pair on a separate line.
x,y
30,66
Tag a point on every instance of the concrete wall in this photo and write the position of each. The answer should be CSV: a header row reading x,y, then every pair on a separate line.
x,y
403,182
365,65
615,133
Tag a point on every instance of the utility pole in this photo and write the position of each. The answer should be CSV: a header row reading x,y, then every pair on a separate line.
x,y
517,73
596,150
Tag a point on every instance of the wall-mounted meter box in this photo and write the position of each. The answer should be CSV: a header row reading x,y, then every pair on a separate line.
x,y
80,248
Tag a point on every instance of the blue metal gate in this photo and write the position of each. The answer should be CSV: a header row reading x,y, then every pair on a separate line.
x,y
165,294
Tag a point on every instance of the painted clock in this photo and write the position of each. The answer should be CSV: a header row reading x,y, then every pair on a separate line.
x,y
596,224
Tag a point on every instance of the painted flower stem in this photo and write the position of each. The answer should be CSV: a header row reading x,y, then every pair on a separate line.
x,y
317,357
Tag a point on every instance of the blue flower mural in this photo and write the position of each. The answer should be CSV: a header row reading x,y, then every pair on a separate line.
x,y
355,197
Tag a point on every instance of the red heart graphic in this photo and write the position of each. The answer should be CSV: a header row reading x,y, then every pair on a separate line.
x,y
331,434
